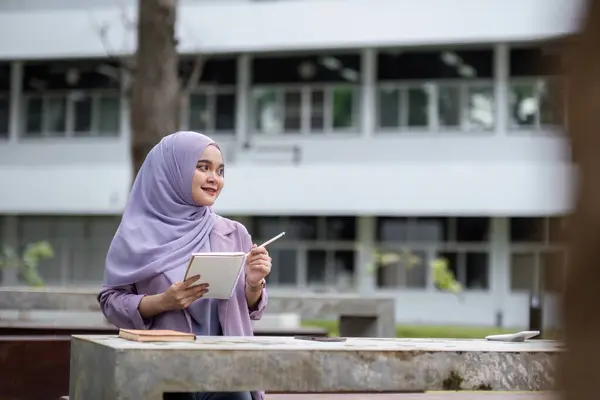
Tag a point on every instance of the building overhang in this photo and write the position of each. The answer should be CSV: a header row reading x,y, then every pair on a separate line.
x,y
251,26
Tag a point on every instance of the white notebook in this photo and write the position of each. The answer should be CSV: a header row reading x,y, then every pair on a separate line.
x,y
220,270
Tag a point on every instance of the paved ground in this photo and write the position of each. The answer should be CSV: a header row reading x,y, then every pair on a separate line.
x,y
423,396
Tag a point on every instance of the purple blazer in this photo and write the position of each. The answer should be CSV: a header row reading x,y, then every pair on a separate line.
x,y
120,305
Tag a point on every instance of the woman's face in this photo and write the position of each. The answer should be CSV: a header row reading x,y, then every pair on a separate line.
x,y
209,177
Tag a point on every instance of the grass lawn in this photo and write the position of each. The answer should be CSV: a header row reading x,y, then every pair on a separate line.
x,y
422,331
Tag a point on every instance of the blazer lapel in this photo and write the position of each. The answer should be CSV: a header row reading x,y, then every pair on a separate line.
x,y
222,238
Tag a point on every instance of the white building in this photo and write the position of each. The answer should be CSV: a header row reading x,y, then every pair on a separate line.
x,y
352,125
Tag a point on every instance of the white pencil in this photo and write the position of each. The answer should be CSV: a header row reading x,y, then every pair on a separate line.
x,y
268,242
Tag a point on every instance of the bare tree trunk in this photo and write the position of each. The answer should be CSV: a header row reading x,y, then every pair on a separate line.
x,y
580,371
156,87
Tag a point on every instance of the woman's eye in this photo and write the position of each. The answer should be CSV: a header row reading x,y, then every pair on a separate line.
x,y
221,172
203,167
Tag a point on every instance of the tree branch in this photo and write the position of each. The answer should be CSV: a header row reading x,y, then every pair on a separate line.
x,y
192,81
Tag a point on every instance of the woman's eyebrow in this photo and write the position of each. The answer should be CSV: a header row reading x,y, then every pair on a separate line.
x,y
210,163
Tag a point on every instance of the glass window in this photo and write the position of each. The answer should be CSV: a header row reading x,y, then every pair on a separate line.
x,y
477,271
343,107
409,272
553,265
480,113
344,269
453,263
109,120
392,229
340,228
550,105
306,68
225,112
267,111
4,117
316,268
82,113
285,267
33,116
524,105
535,62
473,230
389,108
317,110
215,71
435,64
449,106
418,107
55,116
199,116
522,266
528,230
265,228
303,228
292,111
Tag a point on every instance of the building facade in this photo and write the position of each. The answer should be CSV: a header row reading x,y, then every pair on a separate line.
x,y
356,129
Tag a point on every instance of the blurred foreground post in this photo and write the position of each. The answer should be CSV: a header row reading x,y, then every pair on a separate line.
x,y
581,365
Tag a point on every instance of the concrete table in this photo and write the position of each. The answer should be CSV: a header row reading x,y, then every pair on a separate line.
x,y
106,367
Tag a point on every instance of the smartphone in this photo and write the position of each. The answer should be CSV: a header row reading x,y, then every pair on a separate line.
x,y
321,338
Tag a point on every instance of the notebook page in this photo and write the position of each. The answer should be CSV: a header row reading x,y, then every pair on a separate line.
x,y
220,270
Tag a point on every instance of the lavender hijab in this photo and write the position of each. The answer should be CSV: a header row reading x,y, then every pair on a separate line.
x,y
161,224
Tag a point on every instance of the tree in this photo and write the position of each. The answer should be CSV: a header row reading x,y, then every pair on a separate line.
x,y
156,90
155,87
579,366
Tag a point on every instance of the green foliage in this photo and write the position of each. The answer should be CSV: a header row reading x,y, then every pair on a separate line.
x,y
28,262
442,275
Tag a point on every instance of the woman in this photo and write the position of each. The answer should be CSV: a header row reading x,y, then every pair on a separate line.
x,y
168,217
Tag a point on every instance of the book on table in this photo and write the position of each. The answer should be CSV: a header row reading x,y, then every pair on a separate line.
x,y
159,335
220,270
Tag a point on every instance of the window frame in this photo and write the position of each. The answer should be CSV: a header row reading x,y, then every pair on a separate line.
x,y
432,87
537,128
211,92
433,249
306,91
69,96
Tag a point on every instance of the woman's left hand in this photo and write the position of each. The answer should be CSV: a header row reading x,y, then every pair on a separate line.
x,y
258,265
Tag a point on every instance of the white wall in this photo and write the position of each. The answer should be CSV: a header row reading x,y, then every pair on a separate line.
x,y
247,26
493,175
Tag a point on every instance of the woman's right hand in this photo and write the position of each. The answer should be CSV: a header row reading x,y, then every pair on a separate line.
x,y
181,294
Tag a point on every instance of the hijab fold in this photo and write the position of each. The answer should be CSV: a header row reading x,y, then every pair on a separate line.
x,y
161,225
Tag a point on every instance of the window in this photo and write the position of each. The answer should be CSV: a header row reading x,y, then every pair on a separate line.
x,y
536,89
470,268
537,271
212,104
434,90
538,259
411,271
306,94
79,243
212,111
317,252
462,242
4,100
78,98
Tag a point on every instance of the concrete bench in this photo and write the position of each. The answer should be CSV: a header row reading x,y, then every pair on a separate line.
x,y
358,316
99,365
